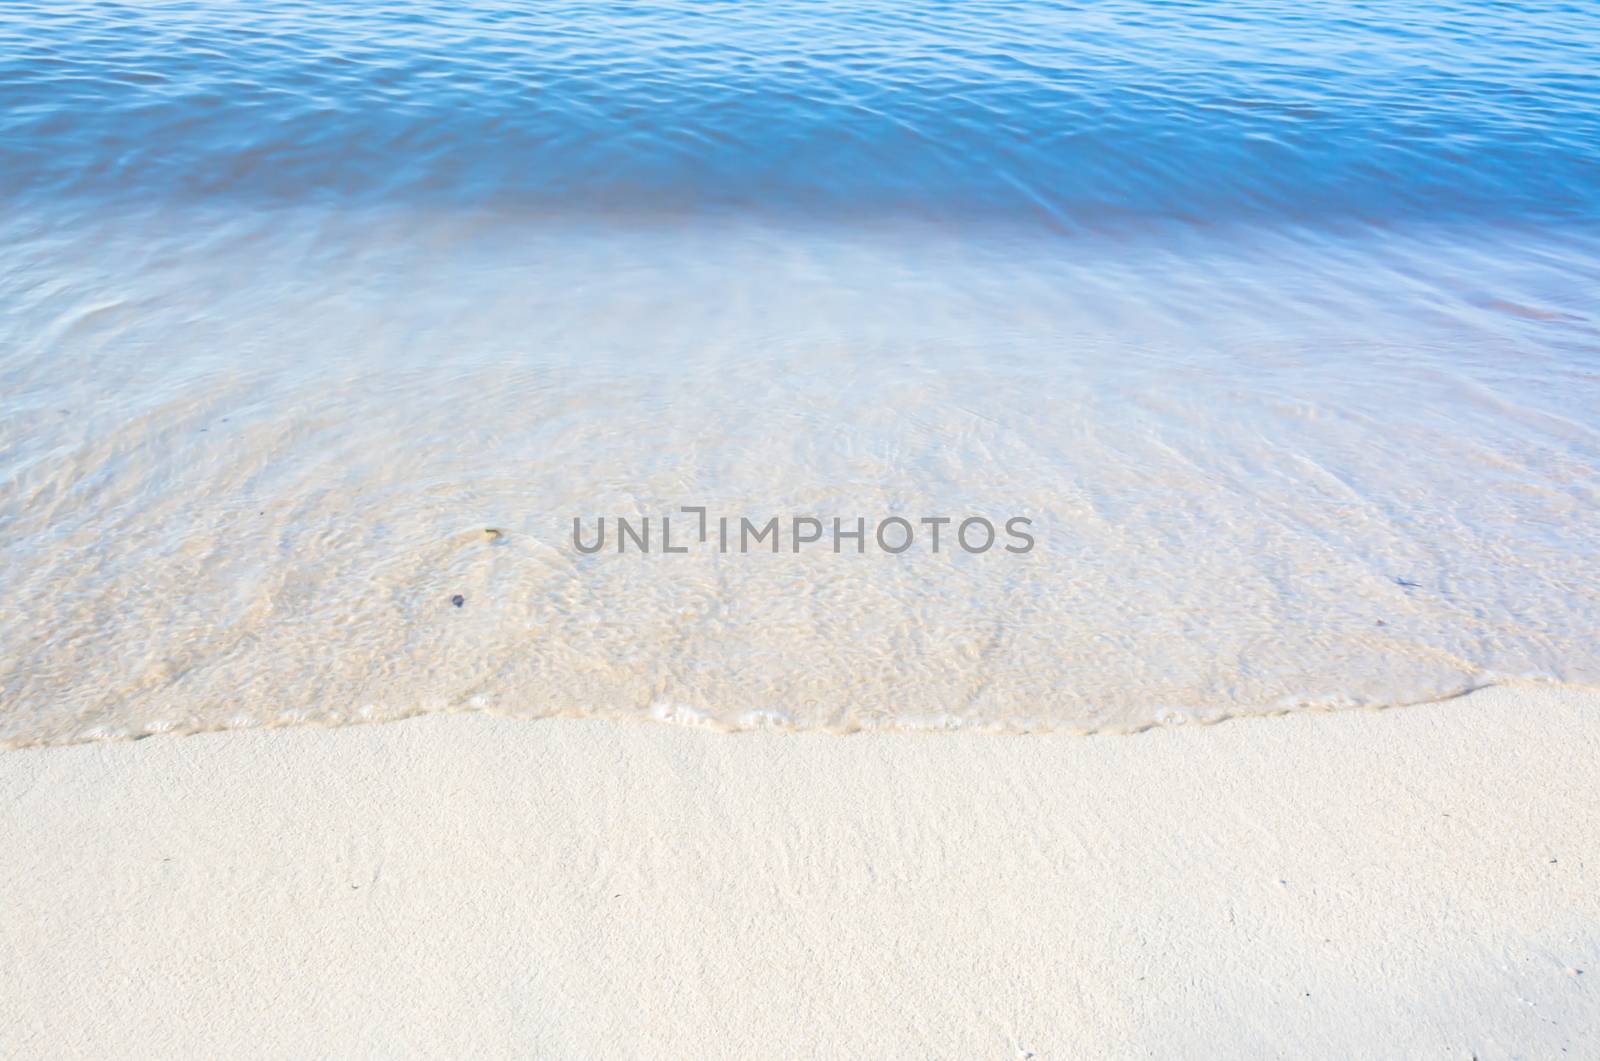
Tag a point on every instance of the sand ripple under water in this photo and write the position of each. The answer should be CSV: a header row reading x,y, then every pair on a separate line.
x,y
1264,470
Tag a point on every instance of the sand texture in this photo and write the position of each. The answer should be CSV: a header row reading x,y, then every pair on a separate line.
x,y
1419,882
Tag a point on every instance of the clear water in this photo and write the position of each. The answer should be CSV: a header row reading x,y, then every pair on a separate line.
x,y
1278,321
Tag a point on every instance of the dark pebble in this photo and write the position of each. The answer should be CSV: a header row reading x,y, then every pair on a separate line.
x,y
458,600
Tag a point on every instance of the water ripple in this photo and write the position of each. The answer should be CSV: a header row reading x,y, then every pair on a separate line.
x,y
1076,114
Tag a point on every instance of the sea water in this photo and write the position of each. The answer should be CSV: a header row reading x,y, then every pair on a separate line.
x,y
1274,326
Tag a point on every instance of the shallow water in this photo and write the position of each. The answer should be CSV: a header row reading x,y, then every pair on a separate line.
x,y
1276,322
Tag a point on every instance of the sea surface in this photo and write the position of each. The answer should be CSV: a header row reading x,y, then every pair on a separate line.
x,y
1274,326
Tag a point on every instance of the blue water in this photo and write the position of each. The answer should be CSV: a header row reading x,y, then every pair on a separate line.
x,y
1278,321
1070,115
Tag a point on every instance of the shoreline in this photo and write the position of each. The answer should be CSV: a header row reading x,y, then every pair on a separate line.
x,y
1417,881
668,713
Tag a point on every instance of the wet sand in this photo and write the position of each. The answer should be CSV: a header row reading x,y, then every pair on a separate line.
x,y
1413,882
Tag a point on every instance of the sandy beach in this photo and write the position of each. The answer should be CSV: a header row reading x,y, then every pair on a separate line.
x,y
1414,882
799,530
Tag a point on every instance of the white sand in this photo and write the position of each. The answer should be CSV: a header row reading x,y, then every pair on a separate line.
x,y
1420,882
